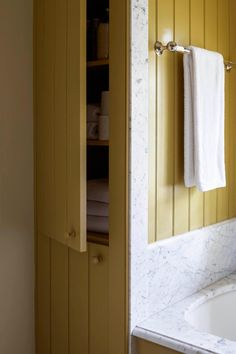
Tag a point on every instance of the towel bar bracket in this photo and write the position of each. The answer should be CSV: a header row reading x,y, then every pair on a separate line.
x,y
174,47
171,47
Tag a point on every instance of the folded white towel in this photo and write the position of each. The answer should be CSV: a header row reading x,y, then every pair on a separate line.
x,y
97,208
97,190
92,113
204,165
92,130
98,224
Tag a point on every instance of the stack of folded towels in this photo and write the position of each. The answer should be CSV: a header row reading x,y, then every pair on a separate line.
x,y
98,206
93,112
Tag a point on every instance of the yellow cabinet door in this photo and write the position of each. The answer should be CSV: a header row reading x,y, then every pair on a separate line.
x,y
98,298
62,299
60,111
72,299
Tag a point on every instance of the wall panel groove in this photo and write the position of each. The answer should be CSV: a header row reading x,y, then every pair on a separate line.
x,y
223,47
232,122
181,194
165,123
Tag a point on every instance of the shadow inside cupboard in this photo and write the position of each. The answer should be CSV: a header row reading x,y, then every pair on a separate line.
x,y
98,121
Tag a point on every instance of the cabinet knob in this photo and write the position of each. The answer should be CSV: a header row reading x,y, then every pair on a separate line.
x,y
97,259
71,234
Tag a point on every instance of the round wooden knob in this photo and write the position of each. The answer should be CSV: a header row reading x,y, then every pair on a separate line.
x,y
97,259
71,234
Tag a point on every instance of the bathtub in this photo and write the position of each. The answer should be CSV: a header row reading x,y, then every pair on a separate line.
x,y
216,315
202,323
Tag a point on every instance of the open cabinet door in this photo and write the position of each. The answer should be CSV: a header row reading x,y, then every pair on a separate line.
x,y
60,101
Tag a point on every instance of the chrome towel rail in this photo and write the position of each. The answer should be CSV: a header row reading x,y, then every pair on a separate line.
x,y
174,47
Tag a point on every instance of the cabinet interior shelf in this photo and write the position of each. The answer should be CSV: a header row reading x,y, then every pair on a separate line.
x,y
99,62
98,142
101,239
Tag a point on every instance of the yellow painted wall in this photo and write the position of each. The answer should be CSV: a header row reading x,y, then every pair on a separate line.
x,y
174,209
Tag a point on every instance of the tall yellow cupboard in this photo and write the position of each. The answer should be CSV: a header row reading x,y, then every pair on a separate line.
x,y
81,287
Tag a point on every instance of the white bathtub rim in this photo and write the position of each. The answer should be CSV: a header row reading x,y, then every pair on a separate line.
x,y
169,342
207,295
170,329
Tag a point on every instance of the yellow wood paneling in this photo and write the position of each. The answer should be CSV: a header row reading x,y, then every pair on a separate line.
x,y
59,298
72,299
63,281
152,122
211,41
98,299
76,123
232,112
45,117
78,302
165,123
60,117
61,120
223,47
196,205
181,194
43,296
202,23
145,347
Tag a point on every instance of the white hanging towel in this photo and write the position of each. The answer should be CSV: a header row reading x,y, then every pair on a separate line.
x,y
204,77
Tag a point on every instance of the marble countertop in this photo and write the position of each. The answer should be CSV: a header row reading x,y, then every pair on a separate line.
x,y
170,329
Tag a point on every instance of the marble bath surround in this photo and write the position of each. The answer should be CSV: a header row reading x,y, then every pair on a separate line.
x,y
170,329
166,272
169,271
163,273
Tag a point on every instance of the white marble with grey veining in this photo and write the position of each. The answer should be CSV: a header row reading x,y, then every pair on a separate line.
x,y
169,327
181,266
138,159
165,272
169,271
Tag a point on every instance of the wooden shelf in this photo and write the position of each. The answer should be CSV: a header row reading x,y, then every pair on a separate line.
x,y
98,142
100,62
101,239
